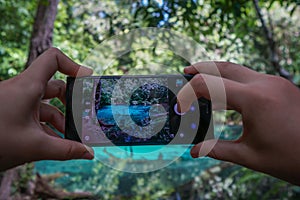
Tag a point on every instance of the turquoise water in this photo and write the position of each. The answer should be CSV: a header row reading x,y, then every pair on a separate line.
x,y
138,113
86,175
85,166
133,153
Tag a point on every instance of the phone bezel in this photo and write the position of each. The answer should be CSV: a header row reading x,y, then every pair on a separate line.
x,y
205,126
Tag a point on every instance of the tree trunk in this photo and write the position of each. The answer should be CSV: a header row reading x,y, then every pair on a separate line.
x,y
5,187
41,40
41,37
274,57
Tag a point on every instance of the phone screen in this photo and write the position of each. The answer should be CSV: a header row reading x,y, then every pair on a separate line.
x,y
133,110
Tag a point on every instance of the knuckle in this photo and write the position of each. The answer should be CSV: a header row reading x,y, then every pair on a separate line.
x,y
69,152
56,116
269,87
198,78
52,116
197,81
264,96
198,84
60,82
54,50
228,67
225,65
60,86
281,83
213,154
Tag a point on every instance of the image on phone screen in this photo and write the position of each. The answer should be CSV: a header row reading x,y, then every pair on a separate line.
x,y
133,110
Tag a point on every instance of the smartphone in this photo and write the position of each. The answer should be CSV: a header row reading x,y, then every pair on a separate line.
x,y
133,110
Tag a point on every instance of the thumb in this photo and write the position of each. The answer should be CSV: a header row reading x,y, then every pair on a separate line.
x,y
63,149
219,149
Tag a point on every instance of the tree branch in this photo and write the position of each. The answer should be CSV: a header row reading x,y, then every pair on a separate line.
x,y
274,57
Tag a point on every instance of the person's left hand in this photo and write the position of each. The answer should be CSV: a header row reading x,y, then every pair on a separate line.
x,y
24,137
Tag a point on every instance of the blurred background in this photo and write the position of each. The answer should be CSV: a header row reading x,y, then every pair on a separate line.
x,y
262,35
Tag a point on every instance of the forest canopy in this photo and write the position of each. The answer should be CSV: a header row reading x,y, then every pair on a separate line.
x,y
263,35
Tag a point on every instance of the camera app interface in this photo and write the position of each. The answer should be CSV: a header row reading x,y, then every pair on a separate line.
x,y
127,110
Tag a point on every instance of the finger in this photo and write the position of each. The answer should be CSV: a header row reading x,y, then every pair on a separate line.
x,y
221,150
53,116
222,92
52,60
226,70
219,107
54,148
49,131
56,88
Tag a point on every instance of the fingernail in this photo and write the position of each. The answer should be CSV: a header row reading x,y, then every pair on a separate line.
x,y
181,108
84,71
194,152
89,154
186,69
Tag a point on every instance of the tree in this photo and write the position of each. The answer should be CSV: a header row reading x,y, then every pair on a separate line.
x,y
41,38
15,31
233,30
269,35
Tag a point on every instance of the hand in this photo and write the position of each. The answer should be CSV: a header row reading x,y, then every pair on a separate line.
x,y
270,109
23,136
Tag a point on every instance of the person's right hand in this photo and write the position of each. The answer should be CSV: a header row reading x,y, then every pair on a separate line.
x,y
24,136
270,108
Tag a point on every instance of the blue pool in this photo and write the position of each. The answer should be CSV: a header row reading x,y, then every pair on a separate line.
x,y
137,112
95,176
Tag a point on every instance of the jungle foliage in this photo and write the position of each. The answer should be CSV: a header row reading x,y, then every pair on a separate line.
x,y
262,35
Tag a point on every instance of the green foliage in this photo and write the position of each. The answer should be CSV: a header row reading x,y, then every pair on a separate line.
x,y
24,175
145,94
235,182
195,180
15,30
228,30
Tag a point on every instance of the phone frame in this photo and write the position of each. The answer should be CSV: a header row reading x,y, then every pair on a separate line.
x,y
205,125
